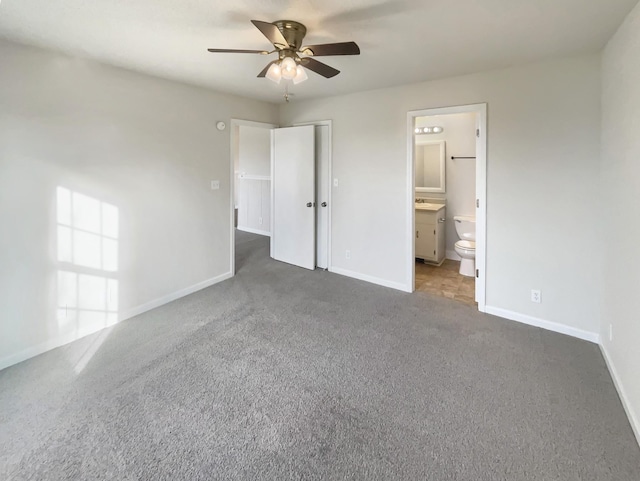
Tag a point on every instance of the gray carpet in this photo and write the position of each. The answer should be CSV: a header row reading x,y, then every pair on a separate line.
x,y
283,373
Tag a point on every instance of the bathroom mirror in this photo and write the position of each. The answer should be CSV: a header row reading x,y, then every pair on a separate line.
x,y
430,163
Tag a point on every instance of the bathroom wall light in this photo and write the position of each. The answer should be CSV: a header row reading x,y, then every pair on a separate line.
x,y
429,130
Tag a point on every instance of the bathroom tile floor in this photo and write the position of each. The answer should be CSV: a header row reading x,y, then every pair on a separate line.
x,y
445,281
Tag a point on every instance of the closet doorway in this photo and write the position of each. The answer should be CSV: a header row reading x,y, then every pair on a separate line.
x,y
263,183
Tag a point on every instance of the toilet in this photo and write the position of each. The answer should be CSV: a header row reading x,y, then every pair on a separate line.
x,y
466,246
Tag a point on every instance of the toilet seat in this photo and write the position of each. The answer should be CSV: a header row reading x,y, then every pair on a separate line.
x,y
466,245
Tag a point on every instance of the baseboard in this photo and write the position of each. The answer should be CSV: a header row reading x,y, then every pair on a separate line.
x,y
160,301
38,349
372,279
544,324
633,419
452,256
129,313
254,231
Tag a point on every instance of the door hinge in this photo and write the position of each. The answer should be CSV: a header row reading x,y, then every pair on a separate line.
x,y
434,232
478,133
434,253
477,272
478,203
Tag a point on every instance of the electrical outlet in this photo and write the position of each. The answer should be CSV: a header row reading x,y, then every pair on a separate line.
x,y
215,184
536,296
610,332
347,254
260,220
335,182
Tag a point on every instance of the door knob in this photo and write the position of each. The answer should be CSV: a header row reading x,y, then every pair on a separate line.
x,y
324,204
309,204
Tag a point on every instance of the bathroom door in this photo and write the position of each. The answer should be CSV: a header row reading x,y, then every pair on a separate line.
x,y
293,234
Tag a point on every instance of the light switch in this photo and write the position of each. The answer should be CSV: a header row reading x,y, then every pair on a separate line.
x,y
335,182
215,184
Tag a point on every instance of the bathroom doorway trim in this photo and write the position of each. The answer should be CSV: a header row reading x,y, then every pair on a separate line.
x,y
481,194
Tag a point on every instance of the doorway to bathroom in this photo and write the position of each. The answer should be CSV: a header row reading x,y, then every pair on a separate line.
x,y
446,202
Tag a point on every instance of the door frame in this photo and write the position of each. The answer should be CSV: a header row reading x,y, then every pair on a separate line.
x,y
481,194
233,142
329,124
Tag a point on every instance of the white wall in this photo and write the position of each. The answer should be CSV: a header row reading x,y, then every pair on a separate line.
x,y
543,151
254,150
621,217
254,179
460,136
147,147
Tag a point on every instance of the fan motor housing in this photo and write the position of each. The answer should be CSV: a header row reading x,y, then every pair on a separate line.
x,y
292,31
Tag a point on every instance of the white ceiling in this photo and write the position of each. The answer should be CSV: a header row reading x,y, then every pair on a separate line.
x,y
402,41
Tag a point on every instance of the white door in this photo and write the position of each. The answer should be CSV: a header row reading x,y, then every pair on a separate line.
x,y
478,180
323,185
293,236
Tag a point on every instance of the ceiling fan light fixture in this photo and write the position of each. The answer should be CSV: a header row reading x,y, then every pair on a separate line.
x,y
288,68
274,73
301,75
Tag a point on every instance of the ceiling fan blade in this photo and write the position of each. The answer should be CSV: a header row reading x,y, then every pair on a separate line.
x,y
231,50
342,48
319,67
272,33
264,70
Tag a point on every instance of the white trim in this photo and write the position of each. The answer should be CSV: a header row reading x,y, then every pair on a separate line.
x,y
232,177
272,214
481,195
544,324
633,419
160,301
43,347
328,123
244,176
374,280
129,313
254,231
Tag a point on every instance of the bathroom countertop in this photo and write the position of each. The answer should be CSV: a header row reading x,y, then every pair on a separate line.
x,y
429,207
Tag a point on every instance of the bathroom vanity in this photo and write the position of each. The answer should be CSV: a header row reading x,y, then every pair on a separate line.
x,y
430,232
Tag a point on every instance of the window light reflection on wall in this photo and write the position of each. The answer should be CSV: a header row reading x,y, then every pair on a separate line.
x,y
87,251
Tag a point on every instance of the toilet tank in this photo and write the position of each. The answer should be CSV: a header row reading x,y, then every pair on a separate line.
x,y
465,227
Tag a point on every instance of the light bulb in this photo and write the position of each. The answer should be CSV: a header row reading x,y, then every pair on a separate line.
x,y
301,75
418,130
437,130
288,68
427,130
274,73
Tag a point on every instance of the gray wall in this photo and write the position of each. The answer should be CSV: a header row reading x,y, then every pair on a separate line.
x,y
620,221
543,170
146,146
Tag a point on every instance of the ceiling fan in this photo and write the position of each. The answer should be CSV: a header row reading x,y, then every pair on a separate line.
x,y
286,36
